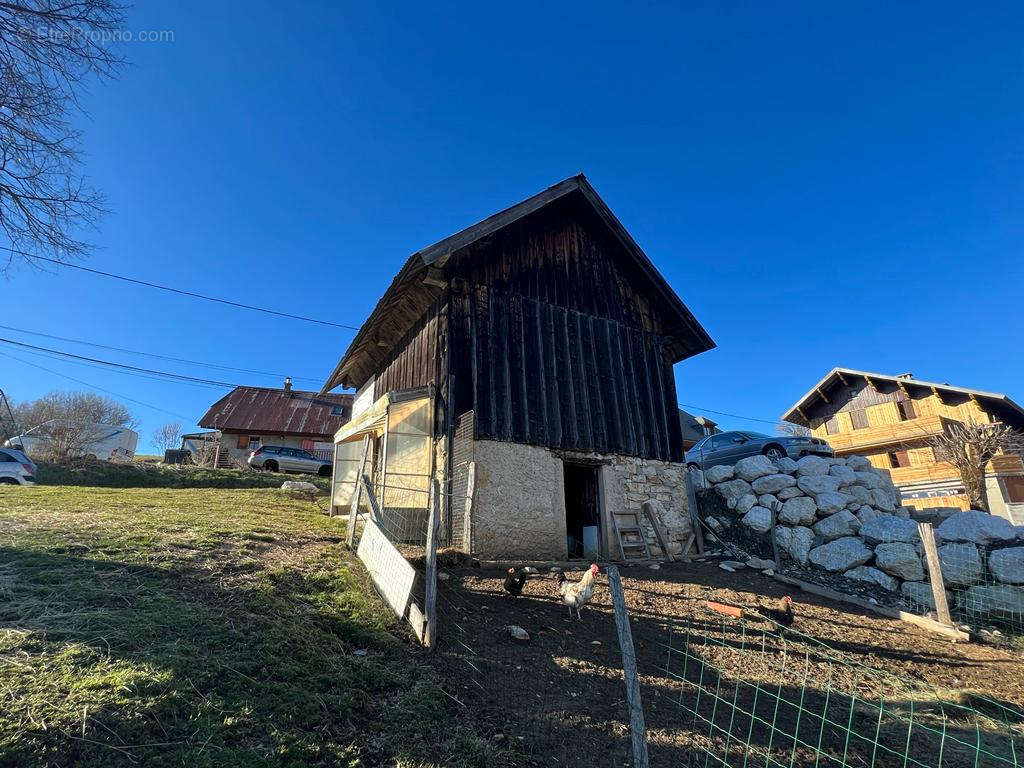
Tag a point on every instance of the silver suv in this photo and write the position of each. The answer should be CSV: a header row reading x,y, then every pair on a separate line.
x,y
277,458
16,468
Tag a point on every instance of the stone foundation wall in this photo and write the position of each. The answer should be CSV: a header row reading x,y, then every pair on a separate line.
x,y
519,504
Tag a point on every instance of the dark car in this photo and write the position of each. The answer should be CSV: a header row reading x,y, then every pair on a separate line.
x,y
730,447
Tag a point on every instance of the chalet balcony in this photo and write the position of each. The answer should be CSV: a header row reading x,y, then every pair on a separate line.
x,y
879,436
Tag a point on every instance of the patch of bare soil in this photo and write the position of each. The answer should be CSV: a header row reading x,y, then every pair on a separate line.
x,y
736,688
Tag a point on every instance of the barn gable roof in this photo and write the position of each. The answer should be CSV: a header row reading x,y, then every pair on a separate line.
x,y
278,411
996,402
417,284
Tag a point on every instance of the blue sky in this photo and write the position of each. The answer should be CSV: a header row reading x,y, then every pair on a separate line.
x,y
822,187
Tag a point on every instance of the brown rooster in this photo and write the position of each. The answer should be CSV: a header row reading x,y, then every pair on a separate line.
x,y
782,613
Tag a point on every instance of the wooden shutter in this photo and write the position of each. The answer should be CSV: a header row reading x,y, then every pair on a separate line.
x,y
859,418
1014,489
832,426
899,459
243,441
906,409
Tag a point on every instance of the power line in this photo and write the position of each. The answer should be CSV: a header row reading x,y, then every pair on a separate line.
x,y
99,389
156,356
166,374
732,415
180,291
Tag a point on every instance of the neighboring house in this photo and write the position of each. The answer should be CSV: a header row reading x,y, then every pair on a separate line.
x,y
536,349
889,419
248,417
695,428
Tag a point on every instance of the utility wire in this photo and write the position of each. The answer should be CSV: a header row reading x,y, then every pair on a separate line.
x,y
156,356
180,291
166,374
732,415
99,389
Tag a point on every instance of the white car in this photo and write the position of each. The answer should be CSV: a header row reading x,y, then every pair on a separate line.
x,y
16,468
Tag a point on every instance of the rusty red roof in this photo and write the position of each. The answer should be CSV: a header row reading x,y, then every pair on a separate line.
x,y
279,411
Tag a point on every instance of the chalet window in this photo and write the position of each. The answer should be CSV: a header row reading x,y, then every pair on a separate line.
x,y
832,426
1014,489
248,441
899,459
906,410
859,418
337,410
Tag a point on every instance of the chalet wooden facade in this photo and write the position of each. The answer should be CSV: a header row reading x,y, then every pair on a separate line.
x,y
889,419
546,339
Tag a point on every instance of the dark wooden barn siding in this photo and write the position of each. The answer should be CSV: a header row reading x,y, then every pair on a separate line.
x,y
552,344
414,360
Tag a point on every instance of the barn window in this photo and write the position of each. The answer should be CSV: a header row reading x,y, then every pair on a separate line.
x,y
899,459
859,418
1014,489
906,410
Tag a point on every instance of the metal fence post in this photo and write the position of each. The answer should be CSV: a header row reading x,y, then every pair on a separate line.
x,y
353,511
637,729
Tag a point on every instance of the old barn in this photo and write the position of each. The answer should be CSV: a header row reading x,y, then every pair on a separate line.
x,y
526,363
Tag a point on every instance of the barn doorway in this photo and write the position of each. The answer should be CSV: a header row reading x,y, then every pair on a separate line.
x,y
582,511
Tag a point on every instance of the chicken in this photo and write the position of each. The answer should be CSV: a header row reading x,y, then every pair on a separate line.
x,y
514,582
782,613
577,594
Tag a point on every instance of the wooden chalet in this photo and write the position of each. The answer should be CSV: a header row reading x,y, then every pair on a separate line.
x,y
889,419
526,363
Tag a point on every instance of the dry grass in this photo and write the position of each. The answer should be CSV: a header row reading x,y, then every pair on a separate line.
x,y
202,627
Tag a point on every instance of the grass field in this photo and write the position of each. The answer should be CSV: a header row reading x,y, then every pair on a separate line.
x,y
202,627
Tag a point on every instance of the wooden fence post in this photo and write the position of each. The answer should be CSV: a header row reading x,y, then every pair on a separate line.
x,y
691,500
931,553
430,570
637,729
467,520
353,511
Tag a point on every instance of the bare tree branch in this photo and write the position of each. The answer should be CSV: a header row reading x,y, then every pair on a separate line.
x,y
168,436
48,49
969,446
70,422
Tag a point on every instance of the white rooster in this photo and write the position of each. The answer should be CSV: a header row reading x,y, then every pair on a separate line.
x,y
577,594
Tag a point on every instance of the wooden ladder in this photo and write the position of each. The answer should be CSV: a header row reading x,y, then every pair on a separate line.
x,y
632,542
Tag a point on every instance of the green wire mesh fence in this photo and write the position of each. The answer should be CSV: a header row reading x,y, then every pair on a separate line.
x,y
755,695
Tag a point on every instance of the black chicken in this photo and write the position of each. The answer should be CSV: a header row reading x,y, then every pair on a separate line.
x,y
514,582
781,614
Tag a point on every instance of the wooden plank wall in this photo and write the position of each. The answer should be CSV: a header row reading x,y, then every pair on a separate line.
x,y
542,374
413,361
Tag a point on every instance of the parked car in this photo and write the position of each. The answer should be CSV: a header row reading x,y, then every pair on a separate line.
x,y
16,468
730,447
278,458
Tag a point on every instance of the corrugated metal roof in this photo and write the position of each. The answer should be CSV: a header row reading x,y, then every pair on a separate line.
x,y
278,411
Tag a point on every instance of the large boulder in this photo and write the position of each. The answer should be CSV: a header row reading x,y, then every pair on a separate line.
x,y
772,483
844,473
888,528
698,480
800,510
758,520
767,500
795,542
873,576
831,501
788,493
745,503
840,555
837,526
732,491
1001,600
753,467
882,499
812,485
858,463
859,493
901,560
977,527
919,593
866,514
812,465
720,473
961,564
786,464
869,479
1007,565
